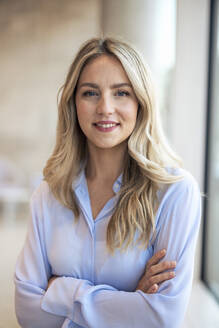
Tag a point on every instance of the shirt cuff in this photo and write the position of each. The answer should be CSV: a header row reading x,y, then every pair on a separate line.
x,y
58,299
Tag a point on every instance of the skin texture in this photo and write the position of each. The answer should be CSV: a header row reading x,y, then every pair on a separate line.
x,y
109,97
104,94
155,273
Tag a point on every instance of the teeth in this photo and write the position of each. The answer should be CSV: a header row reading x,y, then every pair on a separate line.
x,y
110,125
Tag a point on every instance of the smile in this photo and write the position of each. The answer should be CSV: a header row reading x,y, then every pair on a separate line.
x,y
110,125
106,126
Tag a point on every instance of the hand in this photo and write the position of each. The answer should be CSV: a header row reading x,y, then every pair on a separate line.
x,y
156,272
52,278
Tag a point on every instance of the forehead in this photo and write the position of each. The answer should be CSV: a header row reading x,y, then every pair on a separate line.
x,y
104,67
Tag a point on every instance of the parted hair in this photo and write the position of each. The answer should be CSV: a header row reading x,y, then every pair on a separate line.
x,y
148,156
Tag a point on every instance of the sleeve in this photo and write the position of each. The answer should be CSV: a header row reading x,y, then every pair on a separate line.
x,y
99,306
31,279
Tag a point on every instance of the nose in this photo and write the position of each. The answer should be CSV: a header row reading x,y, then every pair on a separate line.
x,y
105,106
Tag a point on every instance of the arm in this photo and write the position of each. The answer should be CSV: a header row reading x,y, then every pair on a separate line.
x,y
104,306
31,279
155,273
32,275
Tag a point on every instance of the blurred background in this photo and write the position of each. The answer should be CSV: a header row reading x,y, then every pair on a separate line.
x,y
179,39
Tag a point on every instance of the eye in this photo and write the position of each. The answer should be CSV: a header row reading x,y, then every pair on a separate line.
x,y
90,93
122,93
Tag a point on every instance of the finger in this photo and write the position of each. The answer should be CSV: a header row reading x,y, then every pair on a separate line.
x,y
156,257
159,278
161,267
153,289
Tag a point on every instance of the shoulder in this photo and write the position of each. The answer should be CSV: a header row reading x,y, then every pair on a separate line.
x,y
187,181
42,194
179,202
186,188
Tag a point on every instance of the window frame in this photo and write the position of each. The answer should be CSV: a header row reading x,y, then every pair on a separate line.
x,y
213,35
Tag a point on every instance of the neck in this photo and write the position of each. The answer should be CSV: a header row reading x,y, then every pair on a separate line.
x,y
105,164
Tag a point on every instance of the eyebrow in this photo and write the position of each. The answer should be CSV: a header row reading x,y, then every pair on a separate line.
x,y
113,86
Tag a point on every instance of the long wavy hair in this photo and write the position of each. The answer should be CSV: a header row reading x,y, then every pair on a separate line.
x,y
148,151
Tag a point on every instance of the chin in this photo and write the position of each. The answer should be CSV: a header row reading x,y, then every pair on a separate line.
x,y
110,145
106,146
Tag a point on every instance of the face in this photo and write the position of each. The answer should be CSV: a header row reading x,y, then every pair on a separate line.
x,y
106,103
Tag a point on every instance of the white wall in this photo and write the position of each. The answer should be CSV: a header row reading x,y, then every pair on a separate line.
x,y
189,98
188,108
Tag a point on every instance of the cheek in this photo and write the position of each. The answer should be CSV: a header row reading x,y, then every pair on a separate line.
x,y
82,113
131,115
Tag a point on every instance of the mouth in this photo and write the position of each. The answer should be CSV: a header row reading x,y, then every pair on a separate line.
x,y
106,126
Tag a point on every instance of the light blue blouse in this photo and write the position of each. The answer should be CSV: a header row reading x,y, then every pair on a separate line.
x,y
93,288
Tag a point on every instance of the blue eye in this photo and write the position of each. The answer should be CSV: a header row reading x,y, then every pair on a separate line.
x,y
122,93
90,93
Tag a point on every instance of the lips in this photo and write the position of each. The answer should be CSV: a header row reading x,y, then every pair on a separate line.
x,y
106,126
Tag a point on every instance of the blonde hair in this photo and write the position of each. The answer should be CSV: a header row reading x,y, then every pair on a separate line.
x,y
148,150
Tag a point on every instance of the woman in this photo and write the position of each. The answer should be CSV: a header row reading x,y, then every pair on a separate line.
x,y
113,206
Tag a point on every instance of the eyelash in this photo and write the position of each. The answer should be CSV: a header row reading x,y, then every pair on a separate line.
x,y
124,93
119,93
89,93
